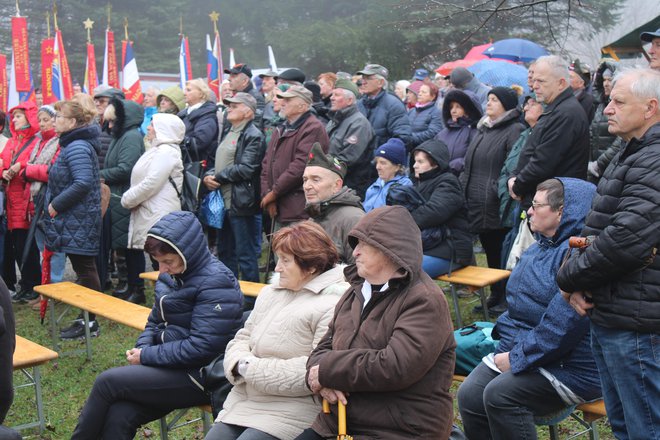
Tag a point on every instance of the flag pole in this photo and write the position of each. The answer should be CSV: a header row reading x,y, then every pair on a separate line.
x,y
109,12
48,24
88,26
55,16
126,27
18,10
214,18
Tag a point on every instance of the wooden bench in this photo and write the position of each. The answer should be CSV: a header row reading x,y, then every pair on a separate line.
x,y
591,412
30,355
475,278
248,288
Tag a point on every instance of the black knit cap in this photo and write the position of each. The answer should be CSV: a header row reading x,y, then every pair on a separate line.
x,y
507,96
317,158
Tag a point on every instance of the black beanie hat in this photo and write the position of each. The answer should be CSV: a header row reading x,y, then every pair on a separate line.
x,y
507,96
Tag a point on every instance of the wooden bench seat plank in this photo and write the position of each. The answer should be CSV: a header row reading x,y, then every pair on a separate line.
x,y
114,309
29,354
475,276
248,288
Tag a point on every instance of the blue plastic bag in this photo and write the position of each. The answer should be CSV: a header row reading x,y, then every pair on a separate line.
x,y
212,210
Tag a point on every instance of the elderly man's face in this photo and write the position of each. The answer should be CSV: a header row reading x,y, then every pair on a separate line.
x,y
625,112
237,81
237,113
291,108
320,184
372,264
339,100
371,85
101,103
654,54
546,85
267,84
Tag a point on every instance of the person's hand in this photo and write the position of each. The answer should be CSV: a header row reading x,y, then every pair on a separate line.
x,y
313,379
333,396
15,168
7,175
502,361
510,183
592,167
51,211
211,183
268,199
581,302
271,209
133,356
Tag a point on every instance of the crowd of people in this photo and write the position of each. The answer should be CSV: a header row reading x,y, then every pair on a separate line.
x,y
359,197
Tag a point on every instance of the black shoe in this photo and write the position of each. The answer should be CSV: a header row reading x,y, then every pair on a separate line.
x,y
137,297
122,291
77,330
108,284
24,296
493,309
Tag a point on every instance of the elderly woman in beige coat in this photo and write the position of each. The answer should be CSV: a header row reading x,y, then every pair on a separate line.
x,y
266,359
152,194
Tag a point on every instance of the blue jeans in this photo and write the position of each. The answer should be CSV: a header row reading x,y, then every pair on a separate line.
x,y
237,245
434,266
57,261
629,366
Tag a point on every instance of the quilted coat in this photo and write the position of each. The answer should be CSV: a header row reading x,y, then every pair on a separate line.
x,y
195,313
74,190
151,194
18,189
388,117
201,132
125,149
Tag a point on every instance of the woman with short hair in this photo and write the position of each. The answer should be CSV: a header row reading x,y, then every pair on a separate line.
x,y
266,360
201,122
425,117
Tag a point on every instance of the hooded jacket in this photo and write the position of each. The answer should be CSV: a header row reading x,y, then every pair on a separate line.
x,y
124,151
457,135
152,195
105,137
445,206
18,150
483,163
337,216
201,138
620,268
388,117
174,94
540,329
395,356
74,190
195,313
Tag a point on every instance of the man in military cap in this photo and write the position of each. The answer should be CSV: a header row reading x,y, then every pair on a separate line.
x,y
240,80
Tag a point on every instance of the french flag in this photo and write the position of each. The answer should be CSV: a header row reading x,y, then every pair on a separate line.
x,y
130,76
185,69
212,67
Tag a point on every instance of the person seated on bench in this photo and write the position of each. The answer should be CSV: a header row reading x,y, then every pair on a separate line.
x,y
390,346
197,311
266,360
544,357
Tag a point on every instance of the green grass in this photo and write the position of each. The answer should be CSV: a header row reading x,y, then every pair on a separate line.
x,y
67,381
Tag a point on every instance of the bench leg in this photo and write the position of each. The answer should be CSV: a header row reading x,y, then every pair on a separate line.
x,y
454,297
554,435
484,305
206,421
53,325
88,338
36,371
163,428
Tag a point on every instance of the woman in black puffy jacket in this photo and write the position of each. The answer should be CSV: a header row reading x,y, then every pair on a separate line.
x,y
198,309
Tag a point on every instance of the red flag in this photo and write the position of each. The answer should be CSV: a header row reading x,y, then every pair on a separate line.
x,y
19,40
4,88
47,47
64,65
91,80
110,72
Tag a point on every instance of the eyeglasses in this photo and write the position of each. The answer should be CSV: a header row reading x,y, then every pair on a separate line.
x,y
536,205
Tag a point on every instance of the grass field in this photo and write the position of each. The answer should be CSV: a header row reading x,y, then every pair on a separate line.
x,y
67,381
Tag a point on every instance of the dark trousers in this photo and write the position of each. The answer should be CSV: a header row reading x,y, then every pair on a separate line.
x,y
135,266
492,242
309,434
31,270
103,258
8,260
237,246
88,276
502,406
124,398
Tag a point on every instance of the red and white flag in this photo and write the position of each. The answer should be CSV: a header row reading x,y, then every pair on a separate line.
x,y
91,78
110,73
130,83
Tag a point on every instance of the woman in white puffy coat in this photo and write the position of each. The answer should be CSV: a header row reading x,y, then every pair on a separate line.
x,y
152,194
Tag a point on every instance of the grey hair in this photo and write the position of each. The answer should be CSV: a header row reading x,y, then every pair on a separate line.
x,y
377,76
645,83
558,66
349,95
555,192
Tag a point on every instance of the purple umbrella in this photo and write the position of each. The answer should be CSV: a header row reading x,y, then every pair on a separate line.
x,y
515,49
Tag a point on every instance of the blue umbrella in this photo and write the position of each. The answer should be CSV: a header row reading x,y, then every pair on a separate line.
x,y
515,49
500,73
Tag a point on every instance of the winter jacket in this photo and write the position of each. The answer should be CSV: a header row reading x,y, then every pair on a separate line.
x,y
387,115
394,355
620,268
483,163
352,141
376,194
586,101
243,176
558,147
74,190
540,329
201,133
105,138
278,337
599,134
338,215
7,346
425,123
457,135
285,161
18,150
43,156
195,313
445,206
510,163
124,151
152,195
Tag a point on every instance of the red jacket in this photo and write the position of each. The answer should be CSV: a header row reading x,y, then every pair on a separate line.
x,y
18,189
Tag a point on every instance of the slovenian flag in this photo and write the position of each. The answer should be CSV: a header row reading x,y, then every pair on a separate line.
x,y
130,76
185,70
212,68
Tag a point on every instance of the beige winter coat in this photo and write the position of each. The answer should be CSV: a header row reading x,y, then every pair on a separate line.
x,y
277,338
152,195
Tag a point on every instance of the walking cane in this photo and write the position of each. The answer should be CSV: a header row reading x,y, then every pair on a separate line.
x,y
270,247
341,419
